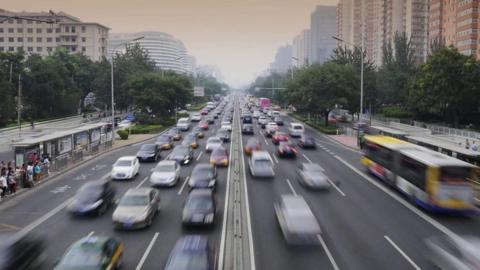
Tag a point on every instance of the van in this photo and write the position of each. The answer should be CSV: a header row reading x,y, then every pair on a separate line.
x,y
296,129
183,124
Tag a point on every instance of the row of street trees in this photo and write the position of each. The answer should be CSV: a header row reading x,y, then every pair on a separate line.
x,y
446,88
56,85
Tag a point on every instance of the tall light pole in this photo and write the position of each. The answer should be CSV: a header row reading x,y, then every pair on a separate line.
x,y
175,108
111,77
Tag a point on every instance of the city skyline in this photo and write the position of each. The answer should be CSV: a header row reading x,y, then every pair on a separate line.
x,y
240,37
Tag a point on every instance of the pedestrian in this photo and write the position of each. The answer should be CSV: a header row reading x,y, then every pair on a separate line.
x,y
30,175
46,164
474,146
467,144
3,184
37,170
12,184
24,177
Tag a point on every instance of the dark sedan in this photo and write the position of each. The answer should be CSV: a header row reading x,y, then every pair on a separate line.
x,y
148,152
93,198
307,142
247,129
175,133
278,120
182,154
191,252
199,208
223,134
23,252
203,176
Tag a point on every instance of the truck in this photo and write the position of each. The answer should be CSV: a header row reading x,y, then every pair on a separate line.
x,y
264,103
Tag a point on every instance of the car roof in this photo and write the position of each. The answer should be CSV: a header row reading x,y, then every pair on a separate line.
x,y
192,243
213,138
296,124
96,242
139,191
167,162
128,158
201,192
260,154
203,166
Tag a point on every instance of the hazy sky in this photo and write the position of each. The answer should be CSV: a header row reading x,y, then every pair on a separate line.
x,y
238,36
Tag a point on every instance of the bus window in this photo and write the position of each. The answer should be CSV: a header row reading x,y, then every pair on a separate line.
x,y
413,171
379,154
454,174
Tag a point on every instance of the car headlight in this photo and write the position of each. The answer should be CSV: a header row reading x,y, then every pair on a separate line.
x,y
209,218
96,204
211,183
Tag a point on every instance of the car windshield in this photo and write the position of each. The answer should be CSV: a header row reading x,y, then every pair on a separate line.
x,y
219,152
297,127
222,132
148,147
134,200
262,164
199,203
203,172
214,140
190,260
165,168
164,138
83,257
313,168
123,163
180,151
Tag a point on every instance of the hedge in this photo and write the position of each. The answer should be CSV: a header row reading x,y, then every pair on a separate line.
x,y
329,130
123,134
146,129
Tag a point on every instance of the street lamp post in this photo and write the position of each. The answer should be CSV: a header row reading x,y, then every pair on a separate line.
x,y
112,87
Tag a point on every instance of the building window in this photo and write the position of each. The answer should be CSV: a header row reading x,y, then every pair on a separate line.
x,y
57,30
74,49
19,49
10,30
30,49
39,39
49,30
10,21
38,22
19,21
20,39
1,30
49,39
30,30
1,49
11,39
73,29
39,49
29,39
11,49
84,39
67,29
74,39
19,30
49,49
57,39
39,30
84,49
83,29
1,39
67,39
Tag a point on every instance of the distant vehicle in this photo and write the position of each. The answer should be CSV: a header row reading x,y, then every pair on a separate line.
x,y
92,252
296,219
210,119
262,121
296,130
148,152
126,167
256,114
136,208
212,143
313,176
278,120
307,142
165,142
247,119
460,253
198,132
203,125
190,140
199,208
203,176
93,198
271,127
196,117
286,149
183,124
247,129
275,114
175,133
204,111
252,145
264,103
278,137
261,164
166,173
23,252
227,125
219,157
182,154
223,134
125,124
191,252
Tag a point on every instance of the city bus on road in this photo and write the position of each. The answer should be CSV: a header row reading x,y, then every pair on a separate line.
x,y
432,180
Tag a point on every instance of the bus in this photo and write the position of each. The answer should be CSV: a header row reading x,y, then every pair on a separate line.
x,y
386,131
432,180
264,103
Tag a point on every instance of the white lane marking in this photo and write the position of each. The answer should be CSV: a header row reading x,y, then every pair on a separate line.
x,y
403,202
147,251
275,158
330,257
414,265
143,181
183,185
199,155
30,227
291,187
305,156
337,188
247,206
335,143
90,234
265,141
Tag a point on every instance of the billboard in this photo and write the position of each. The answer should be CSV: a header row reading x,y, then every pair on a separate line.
x,y
199,91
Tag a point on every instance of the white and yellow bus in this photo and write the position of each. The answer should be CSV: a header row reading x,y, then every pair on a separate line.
x,y
432,180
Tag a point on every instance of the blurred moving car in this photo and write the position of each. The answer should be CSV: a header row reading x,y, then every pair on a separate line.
x,y
223,134
278,120
148,152
307,142
199,208
219,157
296,130
203,125
212,143
261,164
196,117
182,154
183,124
252,145
93,252
459,253
175,133
165,142
23,252
278,137
191,252
247,129
190,140
203,176
125,168
286,149
210,119
166,173
226,125
296,219
198,131
125,124
247,119
262,121
136,208
93,197
313,176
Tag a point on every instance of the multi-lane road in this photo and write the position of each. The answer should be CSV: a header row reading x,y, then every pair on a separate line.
x,y
365,225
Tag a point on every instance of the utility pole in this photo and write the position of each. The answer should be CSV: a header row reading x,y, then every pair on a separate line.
x,y
19,105
11,71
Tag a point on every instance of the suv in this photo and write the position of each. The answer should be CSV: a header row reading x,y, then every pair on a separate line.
x,y
296,130
183,124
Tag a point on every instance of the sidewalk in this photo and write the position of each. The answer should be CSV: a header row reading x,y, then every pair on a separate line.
x,y
348,141
132,139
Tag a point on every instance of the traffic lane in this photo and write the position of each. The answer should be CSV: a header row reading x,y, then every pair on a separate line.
x,y
271,250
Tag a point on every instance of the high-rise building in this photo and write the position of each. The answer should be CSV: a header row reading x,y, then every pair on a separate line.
x,y
323,25
301,48
283,59
165,50
456,23
41,32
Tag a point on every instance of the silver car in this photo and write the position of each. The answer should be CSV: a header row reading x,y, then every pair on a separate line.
x,y
459,253
166,173
136,209
312,175
261,164
296,219
212,143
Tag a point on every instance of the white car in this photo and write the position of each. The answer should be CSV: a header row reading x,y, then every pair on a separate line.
x,y
296,130
256,114
196,117
271,127
262,120
212,143
125,124
125,168
261,164
166,173
226,125
183,124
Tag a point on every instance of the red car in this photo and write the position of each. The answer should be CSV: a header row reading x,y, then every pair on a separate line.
x,y
203,125
286,149
204,112
279,137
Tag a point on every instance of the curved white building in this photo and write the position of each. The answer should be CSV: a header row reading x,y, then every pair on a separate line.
x,y
168,52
